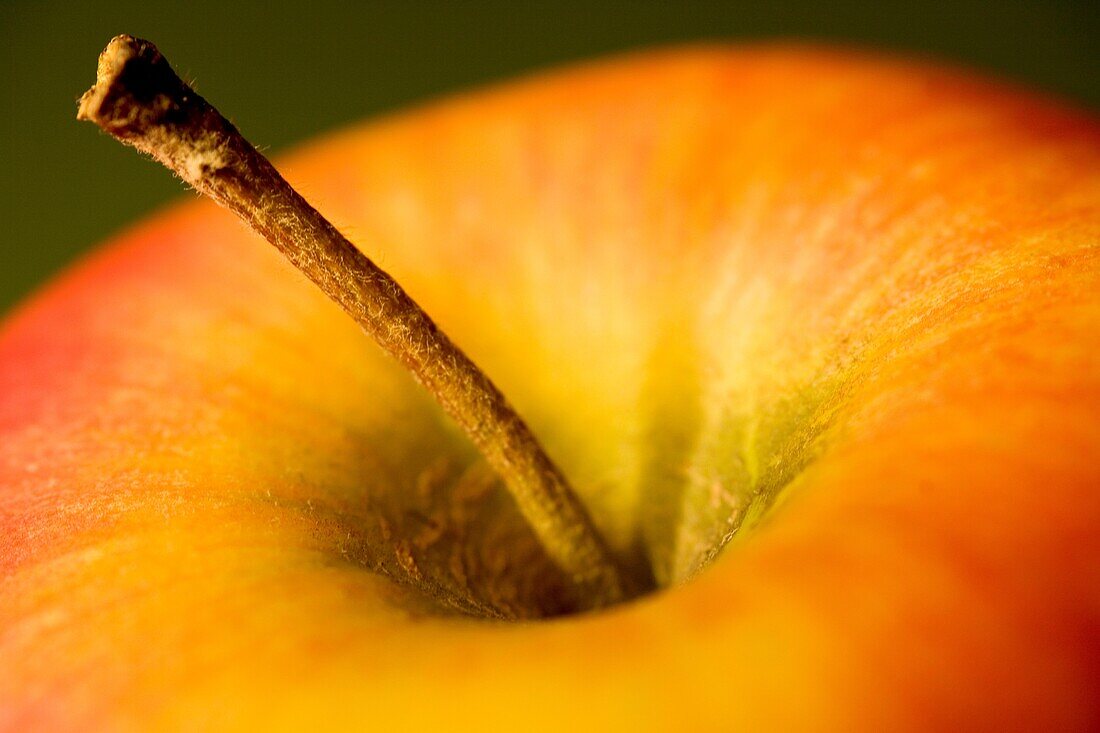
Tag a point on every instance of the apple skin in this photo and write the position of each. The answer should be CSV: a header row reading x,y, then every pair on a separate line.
x,y
842,303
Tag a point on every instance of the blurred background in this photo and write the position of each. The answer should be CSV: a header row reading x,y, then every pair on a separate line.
x,y
286,74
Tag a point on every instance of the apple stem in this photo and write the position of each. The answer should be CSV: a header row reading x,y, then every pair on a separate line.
x,y
141,101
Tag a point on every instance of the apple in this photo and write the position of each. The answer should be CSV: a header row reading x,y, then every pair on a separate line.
x,y
811,331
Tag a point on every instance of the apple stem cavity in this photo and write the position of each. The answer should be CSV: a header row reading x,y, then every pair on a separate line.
x,y
141,101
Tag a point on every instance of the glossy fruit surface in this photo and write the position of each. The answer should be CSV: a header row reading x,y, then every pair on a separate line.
x,y
841,309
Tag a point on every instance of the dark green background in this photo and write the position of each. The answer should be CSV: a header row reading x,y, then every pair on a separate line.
x,y
285,74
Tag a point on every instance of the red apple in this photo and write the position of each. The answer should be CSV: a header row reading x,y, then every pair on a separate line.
x,y
811,329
